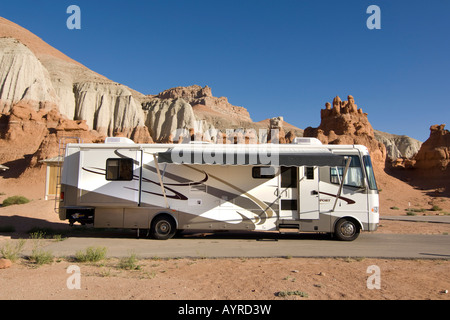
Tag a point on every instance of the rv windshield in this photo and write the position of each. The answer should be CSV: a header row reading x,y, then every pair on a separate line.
x,y
369,172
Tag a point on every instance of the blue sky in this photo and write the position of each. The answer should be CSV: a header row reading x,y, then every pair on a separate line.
x,y
284,57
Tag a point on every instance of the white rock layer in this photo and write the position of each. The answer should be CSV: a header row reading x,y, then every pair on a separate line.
x,y
22,77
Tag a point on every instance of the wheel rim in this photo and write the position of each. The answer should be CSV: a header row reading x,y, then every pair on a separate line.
x,y
348,229
163,227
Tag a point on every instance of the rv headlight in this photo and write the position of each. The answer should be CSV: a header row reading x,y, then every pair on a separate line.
x,y
375,209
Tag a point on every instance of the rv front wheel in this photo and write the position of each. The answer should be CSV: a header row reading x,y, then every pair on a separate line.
x,y
347,230
163,227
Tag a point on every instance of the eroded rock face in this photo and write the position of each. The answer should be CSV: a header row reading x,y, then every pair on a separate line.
x,y
23,77
435,152
343,123
398,146
165,116
196,95
107,107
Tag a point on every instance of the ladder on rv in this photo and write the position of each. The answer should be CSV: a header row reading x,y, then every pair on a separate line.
x,y
61,154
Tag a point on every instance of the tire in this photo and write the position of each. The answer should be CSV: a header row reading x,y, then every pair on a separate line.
x,y
163,227
347,230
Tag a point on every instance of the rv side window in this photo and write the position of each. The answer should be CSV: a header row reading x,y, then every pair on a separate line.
x,y
263,172
370,174
309,173
354,176
119,169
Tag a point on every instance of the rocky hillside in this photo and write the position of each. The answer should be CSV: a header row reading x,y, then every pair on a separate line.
x,y
398,146
33,72
197,109
38,82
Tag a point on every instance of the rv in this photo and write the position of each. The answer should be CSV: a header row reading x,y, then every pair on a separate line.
x,y
165,188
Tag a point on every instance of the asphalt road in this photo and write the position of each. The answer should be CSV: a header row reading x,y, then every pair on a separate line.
x,y
256,245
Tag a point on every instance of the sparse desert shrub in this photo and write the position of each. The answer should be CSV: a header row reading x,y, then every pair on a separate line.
x,y
15,200
130,263
436,208
415,210
12,251
40,256
92,254
45,233
292,293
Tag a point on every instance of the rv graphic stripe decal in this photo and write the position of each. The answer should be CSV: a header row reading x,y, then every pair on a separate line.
x,y
349,201
266,210
242,199
265,213
176,195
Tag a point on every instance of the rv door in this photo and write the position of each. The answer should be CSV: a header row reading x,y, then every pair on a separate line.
x,y
309,192
288,193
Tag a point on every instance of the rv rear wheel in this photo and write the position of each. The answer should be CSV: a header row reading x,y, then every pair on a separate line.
x,y
346,230
163,227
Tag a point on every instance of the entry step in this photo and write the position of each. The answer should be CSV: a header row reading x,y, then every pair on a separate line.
x,y
292,227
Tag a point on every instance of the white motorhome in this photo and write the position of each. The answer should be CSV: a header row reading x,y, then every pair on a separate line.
x,y
162,188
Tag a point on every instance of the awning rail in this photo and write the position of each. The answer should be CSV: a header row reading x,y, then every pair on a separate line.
x,y
268,156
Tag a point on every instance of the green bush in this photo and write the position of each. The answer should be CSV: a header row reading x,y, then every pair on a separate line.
x,y
15,200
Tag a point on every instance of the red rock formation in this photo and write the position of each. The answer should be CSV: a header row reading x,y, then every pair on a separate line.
x,y
344,123
37,134
435,152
